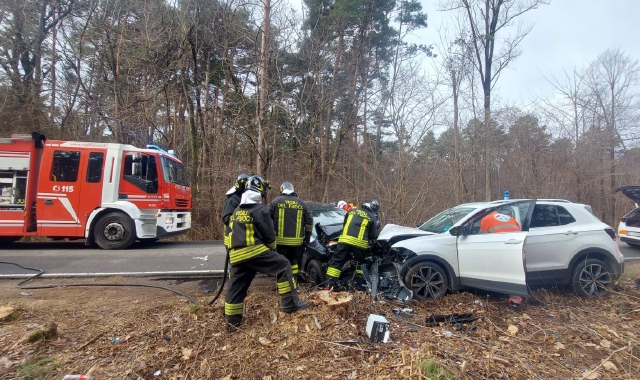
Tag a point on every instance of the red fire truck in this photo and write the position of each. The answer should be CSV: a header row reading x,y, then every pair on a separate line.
x,y
108,194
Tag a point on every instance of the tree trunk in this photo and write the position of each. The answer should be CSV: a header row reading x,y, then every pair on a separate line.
x,y
264,83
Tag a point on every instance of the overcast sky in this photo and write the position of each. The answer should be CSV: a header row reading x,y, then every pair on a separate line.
x,y
565,34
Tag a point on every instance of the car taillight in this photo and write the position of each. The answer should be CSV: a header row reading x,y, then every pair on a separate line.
x,y
623,219
611,233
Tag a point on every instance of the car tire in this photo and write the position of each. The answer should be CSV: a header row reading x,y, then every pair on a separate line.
x,y
592,278
114,230
315,274
427,280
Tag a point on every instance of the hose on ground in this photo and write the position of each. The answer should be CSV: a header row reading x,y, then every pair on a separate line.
x,y
224,278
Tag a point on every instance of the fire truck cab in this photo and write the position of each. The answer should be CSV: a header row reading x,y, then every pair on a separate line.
x,y
109,194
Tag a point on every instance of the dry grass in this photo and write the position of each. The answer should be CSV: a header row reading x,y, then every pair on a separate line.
x,y
555,335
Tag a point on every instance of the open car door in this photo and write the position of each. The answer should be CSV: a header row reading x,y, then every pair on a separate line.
x,y
495,261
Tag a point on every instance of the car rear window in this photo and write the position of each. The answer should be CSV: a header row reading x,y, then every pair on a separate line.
x,y
550,216
565,216
544,216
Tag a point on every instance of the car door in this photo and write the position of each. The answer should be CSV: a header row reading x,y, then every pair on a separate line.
x,y
553,236
59,193
495,261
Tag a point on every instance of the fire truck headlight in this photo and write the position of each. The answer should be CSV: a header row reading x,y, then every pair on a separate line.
x,y
169,220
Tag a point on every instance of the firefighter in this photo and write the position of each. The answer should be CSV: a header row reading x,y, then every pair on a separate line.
x,y
233,200
293,223
251,250
360,227
496,222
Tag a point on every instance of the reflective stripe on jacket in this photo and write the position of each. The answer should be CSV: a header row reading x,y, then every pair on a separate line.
x,y
232,202
359,227
291,220
251,232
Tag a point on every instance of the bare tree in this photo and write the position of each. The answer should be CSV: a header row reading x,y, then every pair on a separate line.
x,y
611,79
487,20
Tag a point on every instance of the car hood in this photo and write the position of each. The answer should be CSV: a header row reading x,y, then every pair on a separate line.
x,y
633,192
396,232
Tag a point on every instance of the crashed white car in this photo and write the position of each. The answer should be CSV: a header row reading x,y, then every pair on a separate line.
x,y
559,242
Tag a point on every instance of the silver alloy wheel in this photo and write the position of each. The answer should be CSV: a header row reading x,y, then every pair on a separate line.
x,y
595,279
427,283
114,231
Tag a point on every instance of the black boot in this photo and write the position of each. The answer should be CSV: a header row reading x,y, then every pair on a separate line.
x,y
233,322
290,303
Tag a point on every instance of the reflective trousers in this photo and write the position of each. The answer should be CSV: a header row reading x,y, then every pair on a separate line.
x,y
242,274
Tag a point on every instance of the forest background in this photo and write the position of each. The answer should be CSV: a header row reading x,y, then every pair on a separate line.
x,y
335,97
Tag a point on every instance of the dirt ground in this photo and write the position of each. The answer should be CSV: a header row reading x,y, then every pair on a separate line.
x,y
146,333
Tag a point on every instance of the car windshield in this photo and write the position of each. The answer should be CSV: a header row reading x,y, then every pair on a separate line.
x,y
328,216
174,172
446,219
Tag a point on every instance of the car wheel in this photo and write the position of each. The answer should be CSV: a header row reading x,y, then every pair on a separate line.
x,y
114,231
315,274
428,281
591,278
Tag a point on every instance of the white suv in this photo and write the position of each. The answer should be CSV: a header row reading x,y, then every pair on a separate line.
x,y
559,242
629,227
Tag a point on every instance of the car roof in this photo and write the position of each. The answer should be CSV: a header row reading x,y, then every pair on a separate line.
x,y
502,201
317,206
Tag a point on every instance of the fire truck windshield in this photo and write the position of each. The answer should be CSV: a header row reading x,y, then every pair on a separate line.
x,y
173,171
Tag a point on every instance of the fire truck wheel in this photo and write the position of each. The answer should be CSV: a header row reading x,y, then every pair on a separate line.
x,y
114,231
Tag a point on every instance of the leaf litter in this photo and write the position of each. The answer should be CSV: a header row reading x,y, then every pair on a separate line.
x,y
586,337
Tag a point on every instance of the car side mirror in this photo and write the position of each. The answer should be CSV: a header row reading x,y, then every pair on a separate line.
x,y
457,230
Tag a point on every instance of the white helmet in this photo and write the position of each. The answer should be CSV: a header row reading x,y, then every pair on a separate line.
x,y
341,204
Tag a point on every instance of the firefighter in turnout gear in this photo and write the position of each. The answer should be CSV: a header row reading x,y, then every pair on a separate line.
x,y
233,201
293,223
251,250
360,227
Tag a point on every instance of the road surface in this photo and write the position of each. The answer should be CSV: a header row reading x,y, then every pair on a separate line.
x,y
73,259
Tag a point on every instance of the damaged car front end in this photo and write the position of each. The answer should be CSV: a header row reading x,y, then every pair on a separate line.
x,y
378,273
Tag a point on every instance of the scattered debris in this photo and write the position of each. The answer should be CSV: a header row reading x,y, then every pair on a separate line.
x,y
25,294
203,258
512,329
456,320
157,330
378,328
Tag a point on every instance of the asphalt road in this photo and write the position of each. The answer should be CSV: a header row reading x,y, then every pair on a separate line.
x,y
73,259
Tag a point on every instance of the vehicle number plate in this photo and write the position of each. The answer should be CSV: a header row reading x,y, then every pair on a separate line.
x,y
635,234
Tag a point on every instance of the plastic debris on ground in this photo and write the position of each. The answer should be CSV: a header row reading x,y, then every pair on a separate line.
x,y
378,328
